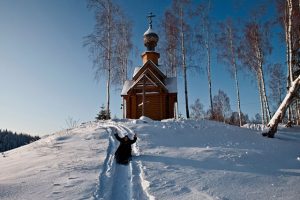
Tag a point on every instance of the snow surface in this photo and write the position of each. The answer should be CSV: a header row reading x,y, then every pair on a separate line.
x,y
183,159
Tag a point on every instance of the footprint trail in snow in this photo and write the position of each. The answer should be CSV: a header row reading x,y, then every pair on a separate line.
x,y
122,182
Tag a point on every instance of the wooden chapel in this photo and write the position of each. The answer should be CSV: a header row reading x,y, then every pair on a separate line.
x,y
150,92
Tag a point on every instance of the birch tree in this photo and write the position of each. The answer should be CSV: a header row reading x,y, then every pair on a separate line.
x,y
179,11
103,42
222,106
170,43
253,51
277,84
123,49
279,114
292,32
228,42
203,38
291,23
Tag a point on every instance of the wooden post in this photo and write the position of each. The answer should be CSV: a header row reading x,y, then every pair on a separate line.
x,y
123,107
134,107
143,103
161,106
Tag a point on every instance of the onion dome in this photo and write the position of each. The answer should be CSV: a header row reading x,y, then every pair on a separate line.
x,y
150,39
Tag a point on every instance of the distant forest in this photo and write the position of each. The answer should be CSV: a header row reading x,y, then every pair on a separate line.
x,y
10,140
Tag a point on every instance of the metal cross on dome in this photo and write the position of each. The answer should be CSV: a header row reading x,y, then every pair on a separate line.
x,y
150,16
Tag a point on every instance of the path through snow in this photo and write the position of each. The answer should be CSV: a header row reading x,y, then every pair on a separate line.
x,y
121,181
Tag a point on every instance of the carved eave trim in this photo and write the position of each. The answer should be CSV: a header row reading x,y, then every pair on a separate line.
x,y
144,67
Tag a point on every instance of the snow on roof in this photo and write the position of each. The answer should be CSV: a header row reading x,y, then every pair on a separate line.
x,y
150,30
145,75
155,77
171,84
127,85
136,71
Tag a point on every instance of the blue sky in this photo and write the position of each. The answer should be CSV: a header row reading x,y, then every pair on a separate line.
x,y
47,76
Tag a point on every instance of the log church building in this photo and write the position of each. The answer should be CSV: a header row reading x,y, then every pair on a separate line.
x,y
150,92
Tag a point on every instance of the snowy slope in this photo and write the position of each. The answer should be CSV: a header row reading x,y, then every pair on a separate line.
x,y
172,160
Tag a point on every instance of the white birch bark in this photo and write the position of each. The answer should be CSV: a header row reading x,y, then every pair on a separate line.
x,y
260,74
208,69
205,30
237,88
265,98
289,38
298,111
109,24
184,64
233,62
261,101
279,114
287,43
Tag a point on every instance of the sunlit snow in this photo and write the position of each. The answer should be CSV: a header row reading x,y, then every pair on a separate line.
x,y
172,160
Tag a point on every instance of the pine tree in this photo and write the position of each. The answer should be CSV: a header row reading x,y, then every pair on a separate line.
x,y
102,115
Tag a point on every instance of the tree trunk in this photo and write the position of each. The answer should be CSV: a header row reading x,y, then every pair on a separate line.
x,y
265,98
287,44
174,67
279,114
209,75
289,115
233,62
184,66
238,96
260,75
280,93
109,62
208,59
261,101
108,95
289,38
298,112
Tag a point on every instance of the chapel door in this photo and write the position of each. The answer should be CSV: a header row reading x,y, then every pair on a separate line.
x,y
153,107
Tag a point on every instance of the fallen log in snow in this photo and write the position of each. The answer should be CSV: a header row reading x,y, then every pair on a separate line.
x,y
279,114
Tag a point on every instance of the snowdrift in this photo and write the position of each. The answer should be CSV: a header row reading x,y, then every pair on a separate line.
x,y
183,159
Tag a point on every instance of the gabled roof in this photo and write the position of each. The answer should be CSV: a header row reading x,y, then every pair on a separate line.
x,y
126,86
136,69
143,77
138,72
149,75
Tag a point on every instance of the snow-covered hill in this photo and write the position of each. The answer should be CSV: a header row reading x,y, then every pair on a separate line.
x,y
172,160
